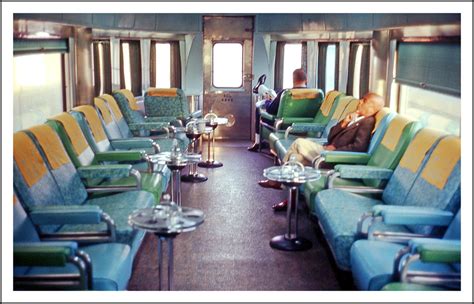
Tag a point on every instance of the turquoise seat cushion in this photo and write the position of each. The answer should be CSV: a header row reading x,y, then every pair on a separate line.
x,y
112,266
118,207
274,137
372,264
338,213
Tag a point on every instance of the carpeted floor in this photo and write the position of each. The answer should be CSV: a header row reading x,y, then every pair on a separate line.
x,y
230,250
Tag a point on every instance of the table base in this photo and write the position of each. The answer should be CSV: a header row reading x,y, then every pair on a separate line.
x,y
194,178
282,242
210,164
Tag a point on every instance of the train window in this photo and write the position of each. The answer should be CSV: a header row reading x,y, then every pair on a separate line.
x,y
328,66
291,61
161,65
227,65
427,80
102,67
359,67
130,67
38,88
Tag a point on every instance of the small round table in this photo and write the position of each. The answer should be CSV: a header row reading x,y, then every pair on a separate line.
x,y
292,174
193,176
176,161
166,221
212,123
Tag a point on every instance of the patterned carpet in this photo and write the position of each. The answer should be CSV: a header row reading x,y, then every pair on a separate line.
x,y
230,251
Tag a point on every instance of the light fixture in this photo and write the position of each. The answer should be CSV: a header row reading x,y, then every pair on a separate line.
x,y
42,35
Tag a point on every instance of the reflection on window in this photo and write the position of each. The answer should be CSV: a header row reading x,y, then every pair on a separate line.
x,y
291,62
432,109
163,65
330,73
126,66
37,89
356,75
227,65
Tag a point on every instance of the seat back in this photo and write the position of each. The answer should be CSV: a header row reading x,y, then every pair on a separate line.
x,y
382,121
393,144
23,228
60,165
170,102
300,103
111,128
128,106
73,139
325,112
439,183
410,165
92,128
117,115
343,106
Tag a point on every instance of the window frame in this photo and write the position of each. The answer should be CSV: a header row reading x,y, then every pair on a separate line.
x,y
365,64
321,73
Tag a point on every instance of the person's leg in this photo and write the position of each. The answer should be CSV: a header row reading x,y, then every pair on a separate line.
x,y
254,147
304,150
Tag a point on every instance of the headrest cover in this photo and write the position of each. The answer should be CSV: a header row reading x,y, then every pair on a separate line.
x,y
94,122
131,99
73,131
341,106
394,132
159,92
328,102
304,93
418,147
51,145
103,109
379,116
442,161
28,159
113,105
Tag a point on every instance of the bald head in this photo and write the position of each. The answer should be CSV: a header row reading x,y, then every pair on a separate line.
x,y
370,104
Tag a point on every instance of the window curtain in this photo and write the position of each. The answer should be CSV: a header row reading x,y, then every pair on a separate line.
x,y
431,66
153,64
352,59
322,66
364,70
304,57
115,53
135,67
145,56
102,86
175,80
279,57
97,80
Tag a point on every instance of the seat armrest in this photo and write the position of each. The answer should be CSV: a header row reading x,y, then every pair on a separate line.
x,y
267,116
105,171
345,157
360,172
437,250
147,126
160,119
411,215
120,156
195,114
291,120
43,253
61,215
131,143
308,127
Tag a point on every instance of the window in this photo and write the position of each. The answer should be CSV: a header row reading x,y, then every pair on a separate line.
x,y
359,67
227,65
162,66
130,67
328,66
291,62
102,67
428,83
37,88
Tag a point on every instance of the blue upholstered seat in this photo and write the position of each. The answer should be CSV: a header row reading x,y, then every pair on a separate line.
x,y
111,262
427,176
373,262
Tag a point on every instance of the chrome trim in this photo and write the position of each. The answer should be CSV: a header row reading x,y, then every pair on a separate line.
x,y
88,263
398,263
278,123
84,278
397,237
110,226
288,131
316,162
156,147
138,177
360,225
361,190
331,178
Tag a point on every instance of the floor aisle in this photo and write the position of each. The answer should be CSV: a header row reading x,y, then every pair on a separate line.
x,y
230,250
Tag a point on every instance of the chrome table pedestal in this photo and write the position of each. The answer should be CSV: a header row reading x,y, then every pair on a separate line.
x,y
292,174
193,176
166,221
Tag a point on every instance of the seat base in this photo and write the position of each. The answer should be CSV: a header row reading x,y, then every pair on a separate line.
x,y
194,178
282,242
210,164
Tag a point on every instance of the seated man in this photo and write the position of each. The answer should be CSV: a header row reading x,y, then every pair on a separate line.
x,y
299,81
353,133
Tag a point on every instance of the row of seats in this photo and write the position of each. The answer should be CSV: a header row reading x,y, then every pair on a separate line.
x,y
77,177
376,209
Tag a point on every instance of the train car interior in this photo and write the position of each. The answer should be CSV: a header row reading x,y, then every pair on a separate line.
x,y
305,152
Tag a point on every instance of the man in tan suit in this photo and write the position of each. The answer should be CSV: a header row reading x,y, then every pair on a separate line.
x,y
353,133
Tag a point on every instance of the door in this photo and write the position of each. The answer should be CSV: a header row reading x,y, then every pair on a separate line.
x,y
228,72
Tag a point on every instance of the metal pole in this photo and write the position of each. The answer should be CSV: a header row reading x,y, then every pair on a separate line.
x,y
170,263
288,212
295,194
160,262
209,147
213,145
177,177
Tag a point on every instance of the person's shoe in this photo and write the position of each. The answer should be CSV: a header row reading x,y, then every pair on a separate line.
x,y
254,147
266,183
281,206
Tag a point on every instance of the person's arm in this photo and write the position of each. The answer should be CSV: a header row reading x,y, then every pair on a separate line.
x,y
272,107
362,138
